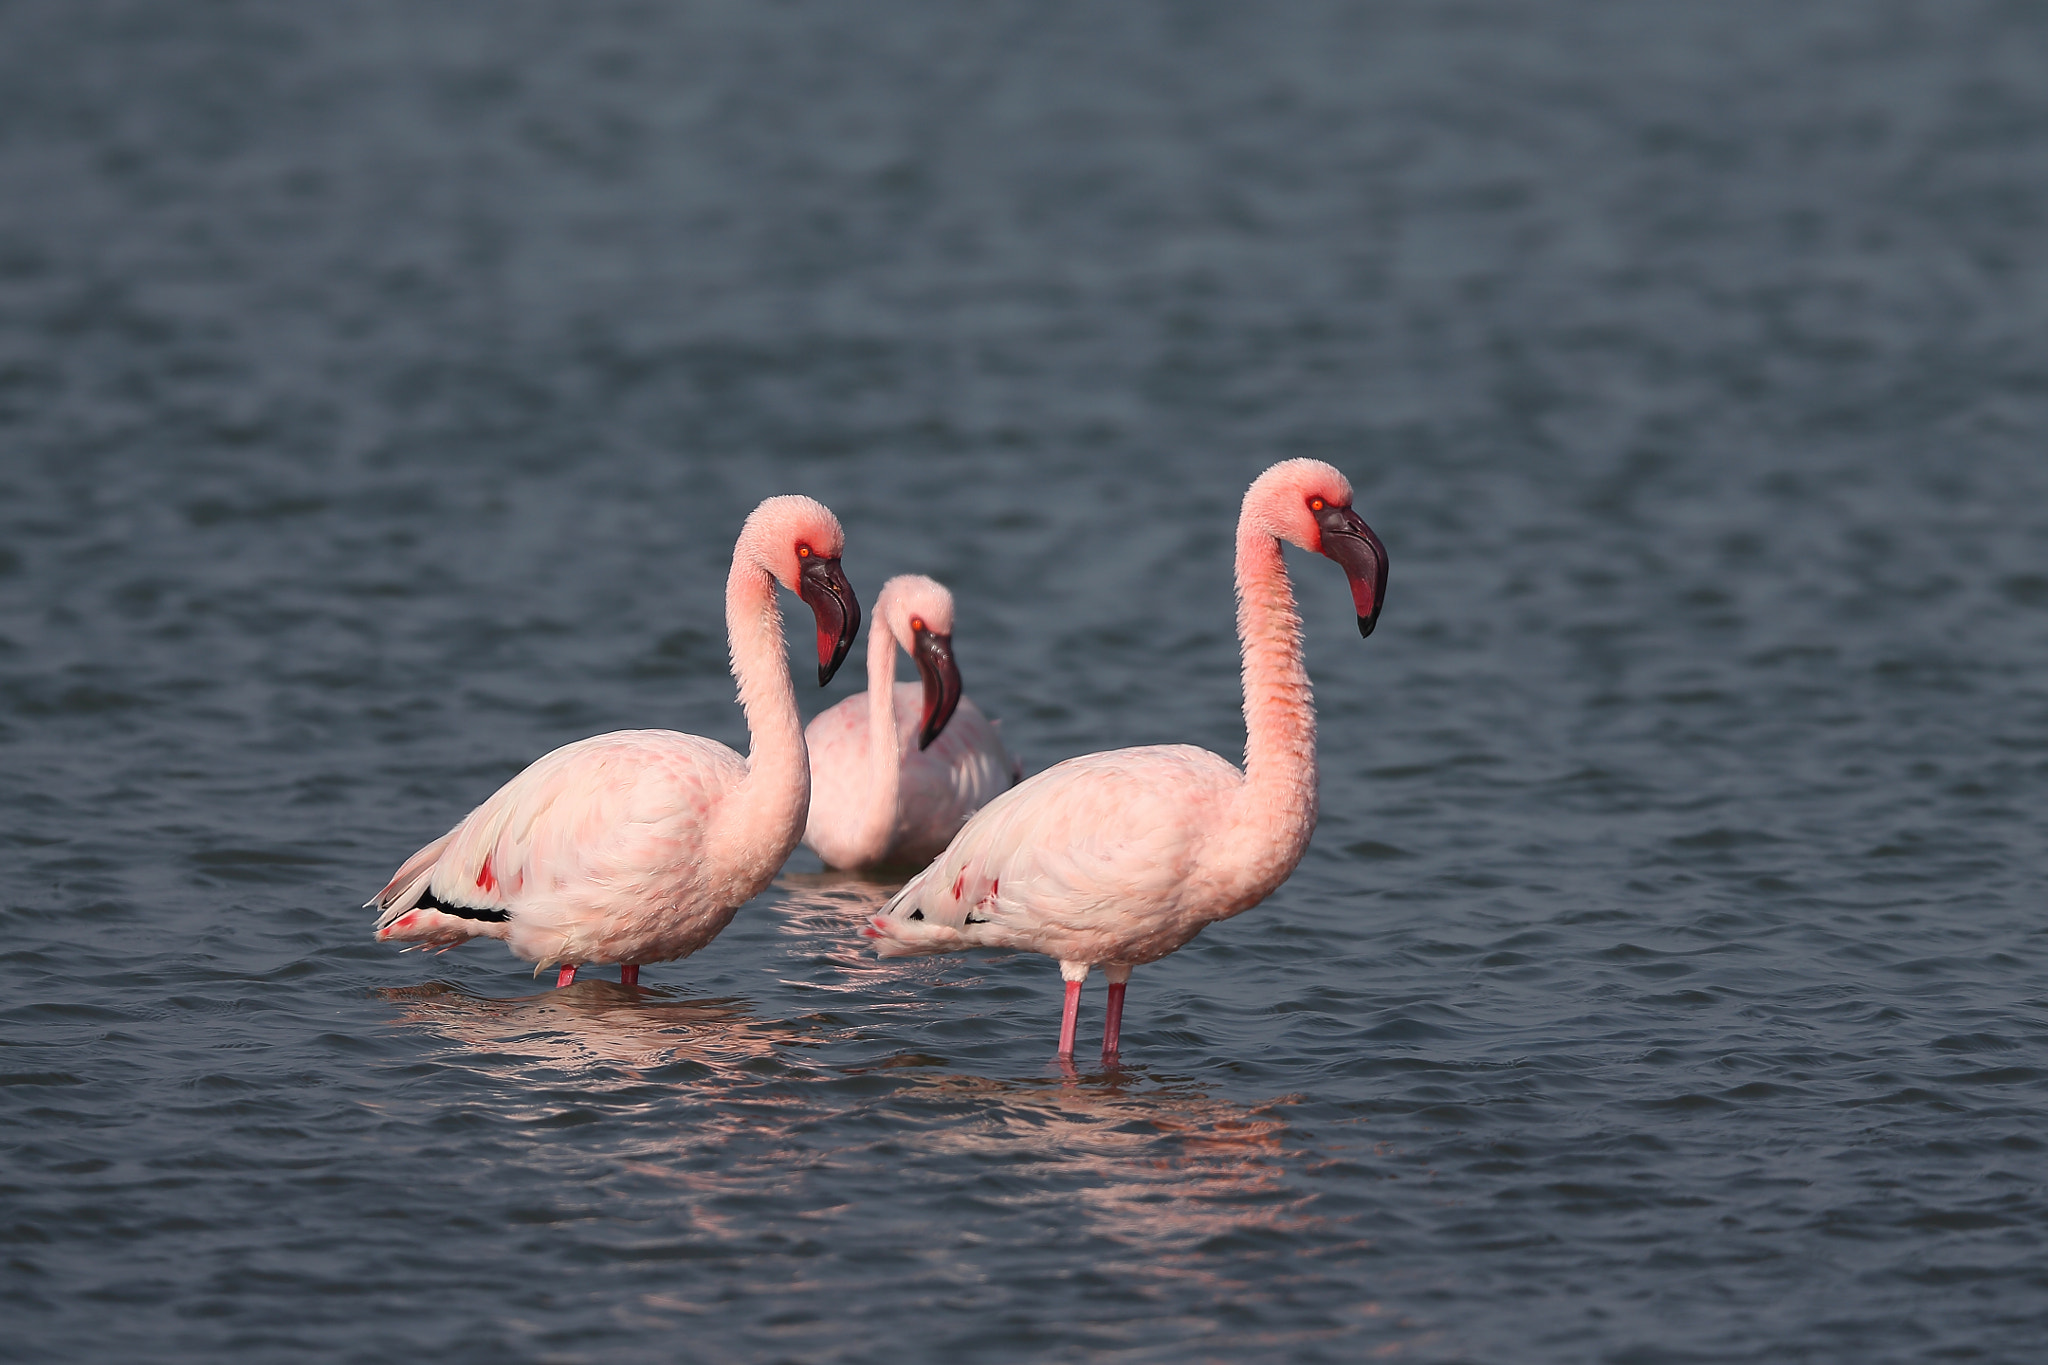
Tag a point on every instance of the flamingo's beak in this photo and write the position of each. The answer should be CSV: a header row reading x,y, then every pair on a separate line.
x,y
1349,541
934,658
822,583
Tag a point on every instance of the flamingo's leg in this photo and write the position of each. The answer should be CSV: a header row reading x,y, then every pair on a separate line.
x,y
1069,1017
629,974
1113,1021
566,975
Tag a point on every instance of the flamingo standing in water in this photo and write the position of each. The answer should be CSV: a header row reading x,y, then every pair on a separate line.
x,y
1116,859
875,799
639,846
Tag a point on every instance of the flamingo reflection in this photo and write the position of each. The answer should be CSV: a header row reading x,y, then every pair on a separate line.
x,y
1169,1185
829,903
1195,1197
592,1027
1157,1167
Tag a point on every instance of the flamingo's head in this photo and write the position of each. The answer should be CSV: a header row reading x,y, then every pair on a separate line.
x,y
798,541
1308,503
919,613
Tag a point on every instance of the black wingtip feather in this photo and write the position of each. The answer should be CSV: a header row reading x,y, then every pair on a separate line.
x,y
429,901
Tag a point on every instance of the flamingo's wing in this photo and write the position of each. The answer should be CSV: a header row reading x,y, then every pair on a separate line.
x,y
943,786
1084,848
977,766
837,741
594,817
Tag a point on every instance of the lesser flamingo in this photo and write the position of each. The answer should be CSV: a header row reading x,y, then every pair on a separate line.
x,y
897,769
639,846
1116,859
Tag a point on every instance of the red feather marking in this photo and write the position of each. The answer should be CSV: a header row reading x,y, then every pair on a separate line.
x,y
487,879
959,882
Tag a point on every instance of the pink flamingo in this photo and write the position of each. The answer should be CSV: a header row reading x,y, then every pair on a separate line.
x,y
1116,859
875,799
639,846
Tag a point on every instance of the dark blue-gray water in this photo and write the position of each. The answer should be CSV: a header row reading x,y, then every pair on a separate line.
x,y
382,386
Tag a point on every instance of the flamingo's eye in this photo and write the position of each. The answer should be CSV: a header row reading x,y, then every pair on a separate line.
x,y
1316,504
803,552
917,623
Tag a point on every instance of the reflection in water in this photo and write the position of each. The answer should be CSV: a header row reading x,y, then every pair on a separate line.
x,y
1158,1166
1176,1194
603,1033
832,904
825,911
1156,1163
1161,1162
1165,1184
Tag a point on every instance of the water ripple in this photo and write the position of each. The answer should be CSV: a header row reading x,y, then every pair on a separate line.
x,y
381,386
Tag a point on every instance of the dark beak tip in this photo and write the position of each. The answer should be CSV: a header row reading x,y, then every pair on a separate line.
x,y
934,658
822,585
1365,625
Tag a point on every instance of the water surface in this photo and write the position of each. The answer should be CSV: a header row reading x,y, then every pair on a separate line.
x,y
381,390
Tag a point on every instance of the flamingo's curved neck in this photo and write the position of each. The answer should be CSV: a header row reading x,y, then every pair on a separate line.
x,y
770,802
1275,811
885,766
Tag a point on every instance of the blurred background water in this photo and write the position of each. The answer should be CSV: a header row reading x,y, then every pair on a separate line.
x,y
382,385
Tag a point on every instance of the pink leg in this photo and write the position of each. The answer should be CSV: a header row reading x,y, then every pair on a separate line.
x,y
629,974
1113,1022
1068,1017
566,975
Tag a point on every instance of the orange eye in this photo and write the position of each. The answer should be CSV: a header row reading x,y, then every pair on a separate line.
x,y
1315,504
803,552
917,623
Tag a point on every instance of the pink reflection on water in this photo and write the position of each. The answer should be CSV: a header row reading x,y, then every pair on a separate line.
x,y
1181,1197
827,909
1156,1167
824,912
604,1034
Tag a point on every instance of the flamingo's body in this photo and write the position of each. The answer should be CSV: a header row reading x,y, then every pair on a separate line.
x,y
897,769
639,846
1116,859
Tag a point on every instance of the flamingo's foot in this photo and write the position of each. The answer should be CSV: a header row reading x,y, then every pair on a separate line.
x,y
566,975
629,974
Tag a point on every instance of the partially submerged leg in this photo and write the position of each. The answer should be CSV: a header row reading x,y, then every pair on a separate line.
x,y
566,975
1113,1021
1074,973
1069,1017
629,974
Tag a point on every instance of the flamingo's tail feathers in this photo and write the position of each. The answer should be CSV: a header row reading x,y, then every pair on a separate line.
x,y
410,881
397,903
423,927
901,930
405,920
896,937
